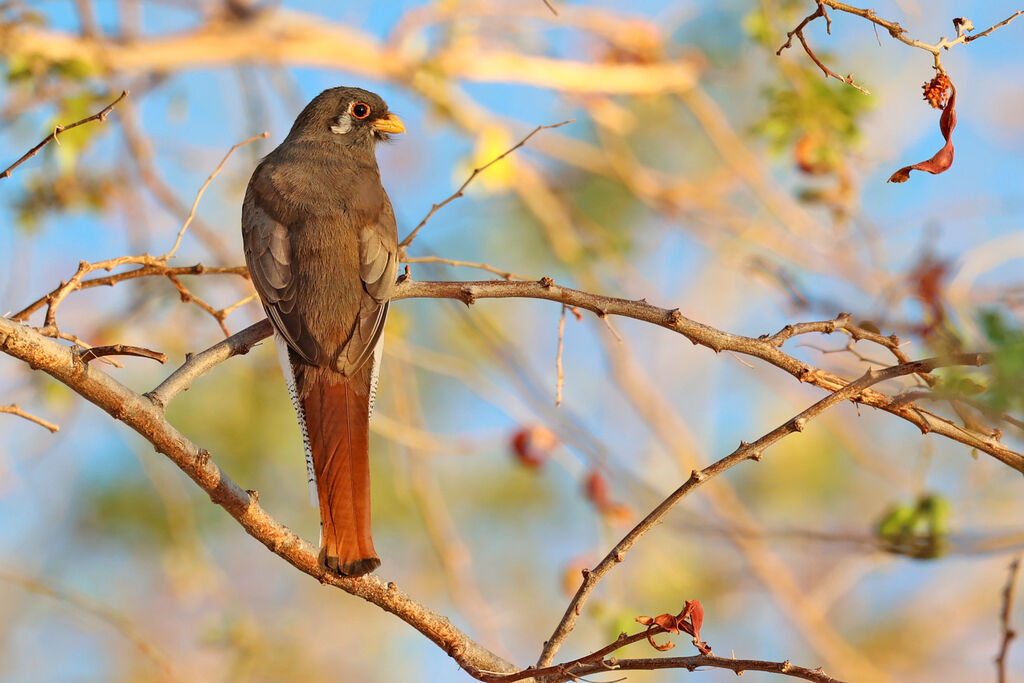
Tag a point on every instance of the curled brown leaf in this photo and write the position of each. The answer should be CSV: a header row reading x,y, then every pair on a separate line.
x,y
942,159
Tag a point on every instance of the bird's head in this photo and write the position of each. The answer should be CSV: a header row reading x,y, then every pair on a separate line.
x,y
351,116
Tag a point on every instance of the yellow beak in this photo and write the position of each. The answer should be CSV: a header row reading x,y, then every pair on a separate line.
x,y
390,124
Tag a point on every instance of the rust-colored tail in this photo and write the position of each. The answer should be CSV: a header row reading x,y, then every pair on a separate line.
x,y
338,424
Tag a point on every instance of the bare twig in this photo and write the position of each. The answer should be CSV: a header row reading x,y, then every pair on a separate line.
x,y
120,350
596,662
143,271
560,381
900,33
141,152
1004,620
746,451
98,116
15,409
199,195
476,171
693,663
1004,22
468,264
799,33
547,3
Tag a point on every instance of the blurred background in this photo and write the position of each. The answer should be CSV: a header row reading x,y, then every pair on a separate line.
x,y
741,187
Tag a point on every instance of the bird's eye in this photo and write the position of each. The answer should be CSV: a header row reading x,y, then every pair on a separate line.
x,y
360,110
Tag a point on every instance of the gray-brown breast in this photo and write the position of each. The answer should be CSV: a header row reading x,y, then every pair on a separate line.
x,y
321,246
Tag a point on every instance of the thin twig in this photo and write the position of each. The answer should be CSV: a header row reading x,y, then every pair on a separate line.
x,y
799,33
551,7
595,662
468,264
476,171
98,116
121,350
560,381
1004,620
199,195
989,30
15,409
900,33
143,271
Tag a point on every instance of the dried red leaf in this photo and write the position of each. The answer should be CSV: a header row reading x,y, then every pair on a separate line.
x,y
660,648
646,621
943,159
695,611
667,622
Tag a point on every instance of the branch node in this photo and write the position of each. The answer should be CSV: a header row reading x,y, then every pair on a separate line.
x,y
202,458
254,496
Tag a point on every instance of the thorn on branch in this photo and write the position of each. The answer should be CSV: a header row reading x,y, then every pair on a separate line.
x,y
99,116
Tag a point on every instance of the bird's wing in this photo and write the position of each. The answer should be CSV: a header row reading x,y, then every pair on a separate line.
x,y
268,254
378,266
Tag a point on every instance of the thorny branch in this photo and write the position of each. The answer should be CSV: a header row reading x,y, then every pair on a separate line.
x,y
143,271
766,349
98,116
894,29
599,662
150,265
746,451
799,33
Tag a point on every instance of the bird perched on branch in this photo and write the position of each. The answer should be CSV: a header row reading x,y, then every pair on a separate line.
x,y
322,249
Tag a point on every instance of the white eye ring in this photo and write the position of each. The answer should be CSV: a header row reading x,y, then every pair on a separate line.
x,y
344,125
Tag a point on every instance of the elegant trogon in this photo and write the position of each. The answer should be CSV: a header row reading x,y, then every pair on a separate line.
x,y
322,249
